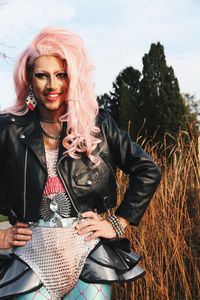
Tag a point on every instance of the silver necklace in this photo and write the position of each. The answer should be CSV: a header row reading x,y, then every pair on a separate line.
x,y
49,135
48,121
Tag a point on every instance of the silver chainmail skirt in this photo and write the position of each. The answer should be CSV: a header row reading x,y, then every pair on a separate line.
x,y
57,255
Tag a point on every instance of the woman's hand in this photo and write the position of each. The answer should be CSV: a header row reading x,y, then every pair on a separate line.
x,y
95,227
15,236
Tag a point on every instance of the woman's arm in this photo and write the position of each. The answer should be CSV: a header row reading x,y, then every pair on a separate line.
x,y
143,173
144,177
96,227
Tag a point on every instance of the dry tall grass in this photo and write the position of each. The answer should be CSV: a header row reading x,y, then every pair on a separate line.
x,y
168,236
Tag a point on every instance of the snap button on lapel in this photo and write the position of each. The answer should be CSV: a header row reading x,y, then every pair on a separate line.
x,y
12,120
89,182
22,136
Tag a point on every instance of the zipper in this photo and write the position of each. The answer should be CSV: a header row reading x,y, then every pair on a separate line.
x,y
25,171
104,157
67,190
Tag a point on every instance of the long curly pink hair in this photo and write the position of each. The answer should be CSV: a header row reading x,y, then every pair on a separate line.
x,y
82,106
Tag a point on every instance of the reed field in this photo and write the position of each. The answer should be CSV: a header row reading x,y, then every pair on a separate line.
x,y
168,237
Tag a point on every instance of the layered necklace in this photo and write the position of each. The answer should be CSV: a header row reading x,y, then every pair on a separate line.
x,y
49,135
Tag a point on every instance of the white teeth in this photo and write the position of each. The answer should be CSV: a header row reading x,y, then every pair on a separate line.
x,y
53,96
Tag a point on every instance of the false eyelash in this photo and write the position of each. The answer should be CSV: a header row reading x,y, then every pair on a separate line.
x,y
40,75
61,75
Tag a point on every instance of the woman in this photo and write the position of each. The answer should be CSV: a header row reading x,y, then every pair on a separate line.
x,y
58,159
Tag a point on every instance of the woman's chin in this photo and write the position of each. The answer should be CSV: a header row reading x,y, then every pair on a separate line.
x,y
53,106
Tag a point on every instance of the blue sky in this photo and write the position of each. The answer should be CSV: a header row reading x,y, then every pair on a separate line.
x,y
117,34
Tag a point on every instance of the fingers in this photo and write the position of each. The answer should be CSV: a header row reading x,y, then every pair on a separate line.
x,y
21,225
19,234
103,229
85,223
22,231
17,243
93,236
93,227
91,215
88,229
21,237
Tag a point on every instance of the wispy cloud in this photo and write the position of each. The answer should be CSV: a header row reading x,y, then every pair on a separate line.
x,y
24,18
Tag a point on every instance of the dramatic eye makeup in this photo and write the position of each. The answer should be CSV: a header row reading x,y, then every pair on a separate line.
x,y
40,75
59,75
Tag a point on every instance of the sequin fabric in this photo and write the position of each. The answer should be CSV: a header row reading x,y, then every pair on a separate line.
x,y
56,253
51,159
57,256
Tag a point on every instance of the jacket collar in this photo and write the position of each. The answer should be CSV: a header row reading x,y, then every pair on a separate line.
x,y
30,134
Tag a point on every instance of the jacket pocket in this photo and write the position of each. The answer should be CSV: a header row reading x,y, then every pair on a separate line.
x,y
87,178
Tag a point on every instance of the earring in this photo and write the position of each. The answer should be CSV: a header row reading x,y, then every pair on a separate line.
x,y
31,100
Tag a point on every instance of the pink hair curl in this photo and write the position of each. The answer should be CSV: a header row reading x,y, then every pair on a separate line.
x,y
82,106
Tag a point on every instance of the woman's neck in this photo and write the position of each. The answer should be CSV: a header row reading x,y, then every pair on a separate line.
x,y
49,116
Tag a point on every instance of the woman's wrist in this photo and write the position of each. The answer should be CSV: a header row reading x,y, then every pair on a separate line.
x,y
123,221
119,224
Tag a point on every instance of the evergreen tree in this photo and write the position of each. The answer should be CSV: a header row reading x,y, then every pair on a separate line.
x,y
125,97
193,119
122,103
154,103
162,105
104,101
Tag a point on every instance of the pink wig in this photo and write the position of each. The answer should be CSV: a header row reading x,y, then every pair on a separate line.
x,y
82,106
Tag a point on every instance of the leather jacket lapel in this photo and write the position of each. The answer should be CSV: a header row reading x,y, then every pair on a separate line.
x,y
31,135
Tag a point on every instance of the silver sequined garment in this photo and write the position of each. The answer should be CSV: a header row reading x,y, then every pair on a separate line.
x,y
57,256
56,253
51,159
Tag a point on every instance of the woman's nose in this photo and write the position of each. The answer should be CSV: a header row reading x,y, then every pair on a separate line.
x,y
51,83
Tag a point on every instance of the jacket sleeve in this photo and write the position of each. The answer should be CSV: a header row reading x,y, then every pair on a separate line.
x,y
144,174
4,206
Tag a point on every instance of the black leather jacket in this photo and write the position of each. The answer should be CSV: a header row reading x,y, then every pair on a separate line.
x,y
23,171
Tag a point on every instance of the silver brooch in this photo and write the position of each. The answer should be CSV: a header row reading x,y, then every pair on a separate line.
x,y
58,206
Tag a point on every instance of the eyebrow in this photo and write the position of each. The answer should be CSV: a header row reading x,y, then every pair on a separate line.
x,y
43,71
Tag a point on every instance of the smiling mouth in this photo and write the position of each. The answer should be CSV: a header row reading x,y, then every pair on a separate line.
x,y
52,96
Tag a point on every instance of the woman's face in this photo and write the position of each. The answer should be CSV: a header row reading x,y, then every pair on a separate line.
x,y
50,82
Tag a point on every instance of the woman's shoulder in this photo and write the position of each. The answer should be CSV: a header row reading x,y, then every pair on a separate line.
x,y
104,116
103,113
105,121
5,119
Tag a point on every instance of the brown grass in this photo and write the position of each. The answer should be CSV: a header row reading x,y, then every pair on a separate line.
x,y
168,236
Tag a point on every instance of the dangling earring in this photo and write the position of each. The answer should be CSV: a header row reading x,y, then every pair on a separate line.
x,y
31,100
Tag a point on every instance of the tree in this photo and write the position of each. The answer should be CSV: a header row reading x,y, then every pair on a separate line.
x,y
123,101
162,105
104,101
193,120
153,103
